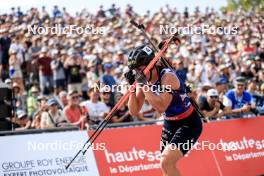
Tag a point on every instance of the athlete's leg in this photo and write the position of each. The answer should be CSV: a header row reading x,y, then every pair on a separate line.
x,y
169,158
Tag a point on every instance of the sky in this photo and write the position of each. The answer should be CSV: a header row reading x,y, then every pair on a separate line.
x,y
140,6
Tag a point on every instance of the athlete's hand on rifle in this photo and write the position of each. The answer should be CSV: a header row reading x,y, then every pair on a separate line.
x,y
130,77
176,40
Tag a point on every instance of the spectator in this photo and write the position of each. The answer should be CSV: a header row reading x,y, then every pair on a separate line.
x,y
260,106
191,76
5,42
253,90
54,117
181,70
41,107
97,109
214,57
105,96
56,12
73,71
19,98
58,74
22,122
32,103
107,77
147,112
239,100
62,101
221,86
45,73
15,71
211,106
121,115
74,113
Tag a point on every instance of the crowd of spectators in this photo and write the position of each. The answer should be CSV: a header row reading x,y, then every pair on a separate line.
x,y
54,75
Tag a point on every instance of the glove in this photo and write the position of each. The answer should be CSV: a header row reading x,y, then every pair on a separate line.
x,y
176,40
141,78
130,77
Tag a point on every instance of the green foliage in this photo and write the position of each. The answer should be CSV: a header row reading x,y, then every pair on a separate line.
x,y
246,5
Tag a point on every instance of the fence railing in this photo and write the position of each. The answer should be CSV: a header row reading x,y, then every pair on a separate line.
x,y
74,128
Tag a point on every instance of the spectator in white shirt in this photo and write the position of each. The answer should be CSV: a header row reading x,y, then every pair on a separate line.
x,y
97,109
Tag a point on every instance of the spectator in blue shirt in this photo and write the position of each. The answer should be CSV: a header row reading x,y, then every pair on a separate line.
x,y
107,77
239,100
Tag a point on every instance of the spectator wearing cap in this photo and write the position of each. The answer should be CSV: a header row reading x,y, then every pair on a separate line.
x,y
32,103
73,71
224,72
20,99
62,99
74,113
58,75
211,106
22,122
221,86
97,109
53,117
105,97
41,107
252,88
8,82
107,77
239,100
202,91
45,72
246,68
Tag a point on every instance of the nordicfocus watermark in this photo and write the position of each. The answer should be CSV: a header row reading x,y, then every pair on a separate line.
x,y
59,29
125,87
59,145
221,145
198,30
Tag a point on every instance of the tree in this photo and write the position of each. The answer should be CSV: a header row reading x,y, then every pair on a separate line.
x,y
246,5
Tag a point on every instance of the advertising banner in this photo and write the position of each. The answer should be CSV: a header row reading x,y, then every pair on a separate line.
x,y
231,147
45,154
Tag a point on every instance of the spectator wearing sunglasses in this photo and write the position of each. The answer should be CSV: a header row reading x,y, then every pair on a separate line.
x,y
74,113
211,106
239,100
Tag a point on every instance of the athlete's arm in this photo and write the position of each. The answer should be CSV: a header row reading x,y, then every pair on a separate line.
x,y
135,102
162,101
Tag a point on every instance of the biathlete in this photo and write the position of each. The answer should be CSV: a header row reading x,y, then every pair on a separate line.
x,y
167,94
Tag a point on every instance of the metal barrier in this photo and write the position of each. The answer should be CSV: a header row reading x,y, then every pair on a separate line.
x,y
74,128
